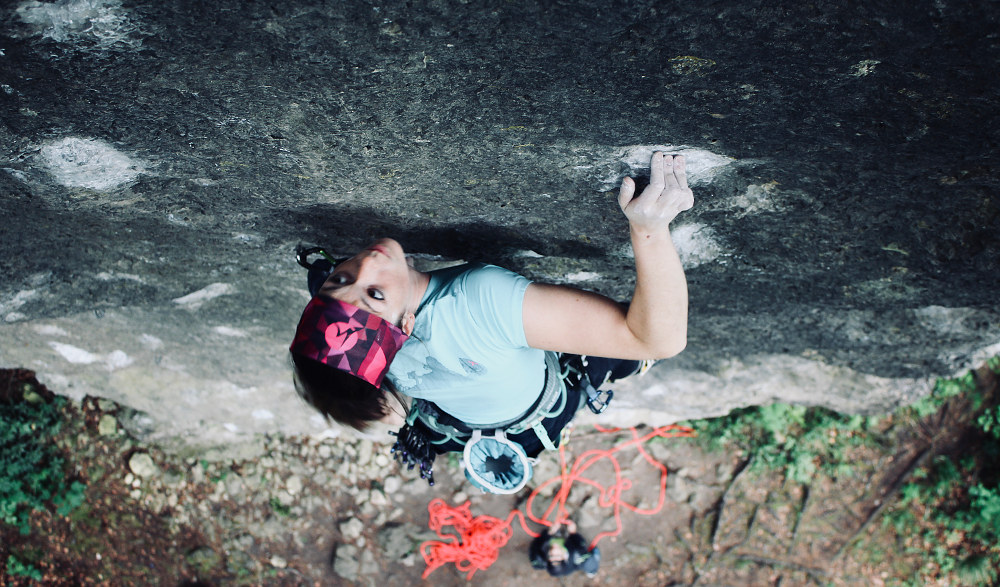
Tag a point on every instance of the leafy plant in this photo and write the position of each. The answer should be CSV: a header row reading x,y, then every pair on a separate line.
x,y
32,473
949,511
280,508
989,421
945,389
18,568
976,569
798,439
982,519
957,505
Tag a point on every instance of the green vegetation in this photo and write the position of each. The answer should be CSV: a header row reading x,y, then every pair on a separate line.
x,y
19,568
796,439
955,499
279,508
32,472
948,510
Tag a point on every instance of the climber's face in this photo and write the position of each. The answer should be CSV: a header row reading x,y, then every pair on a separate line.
x,y
377,280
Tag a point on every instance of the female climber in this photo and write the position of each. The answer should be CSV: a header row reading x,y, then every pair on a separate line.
x,y
476,347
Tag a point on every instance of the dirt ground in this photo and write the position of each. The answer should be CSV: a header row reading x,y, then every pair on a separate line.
x,y
335,512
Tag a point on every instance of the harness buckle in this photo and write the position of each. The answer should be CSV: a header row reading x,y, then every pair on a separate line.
x,y
598,400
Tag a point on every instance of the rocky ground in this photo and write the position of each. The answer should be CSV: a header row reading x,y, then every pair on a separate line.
x,y
340,512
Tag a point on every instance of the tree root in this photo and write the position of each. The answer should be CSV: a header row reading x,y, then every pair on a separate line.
x,y
886,499
818,575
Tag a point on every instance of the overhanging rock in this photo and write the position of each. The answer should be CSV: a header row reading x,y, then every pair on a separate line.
x,y
162,161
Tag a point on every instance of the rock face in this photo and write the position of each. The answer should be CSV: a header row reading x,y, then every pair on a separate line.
x,y
161,162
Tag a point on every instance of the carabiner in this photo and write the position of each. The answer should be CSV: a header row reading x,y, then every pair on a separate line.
x,y
599,400
302,257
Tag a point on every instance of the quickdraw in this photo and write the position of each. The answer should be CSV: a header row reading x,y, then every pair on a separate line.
x,y
413,449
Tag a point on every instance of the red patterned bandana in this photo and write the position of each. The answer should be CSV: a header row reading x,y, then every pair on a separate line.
x,y
347,338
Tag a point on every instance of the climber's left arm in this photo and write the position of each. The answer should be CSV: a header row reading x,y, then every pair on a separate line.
x,y
654,325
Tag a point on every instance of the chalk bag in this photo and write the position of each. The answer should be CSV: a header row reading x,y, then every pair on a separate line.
x,y
495,464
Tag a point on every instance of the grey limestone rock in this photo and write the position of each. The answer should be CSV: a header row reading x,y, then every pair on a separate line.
x,y
161,161
346,563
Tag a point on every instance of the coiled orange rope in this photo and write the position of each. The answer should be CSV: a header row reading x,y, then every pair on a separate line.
x,y
476,545
478,541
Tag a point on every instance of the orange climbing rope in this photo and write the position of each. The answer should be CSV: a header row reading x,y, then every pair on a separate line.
x,y
478,540
477,544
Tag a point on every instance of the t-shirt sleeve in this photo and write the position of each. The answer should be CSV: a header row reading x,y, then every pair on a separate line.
x,y
497,298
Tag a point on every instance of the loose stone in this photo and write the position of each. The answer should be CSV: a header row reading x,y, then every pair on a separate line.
x,y
108,426
142,465
346,565
294,485
392,485
368,564
285,498
351,529
364,453
378,499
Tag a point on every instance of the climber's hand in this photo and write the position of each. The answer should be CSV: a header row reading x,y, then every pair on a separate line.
x,y
666,196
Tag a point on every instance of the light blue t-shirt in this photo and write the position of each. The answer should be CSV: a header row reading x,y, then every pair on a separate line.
x,y
468,353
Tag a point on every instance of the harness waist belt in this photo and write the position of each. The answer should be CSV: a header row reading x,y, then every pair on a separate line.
x,y
552,392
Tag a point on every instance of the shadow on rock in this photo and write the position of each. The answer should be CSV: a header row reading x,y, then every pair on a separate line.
x,y
346,229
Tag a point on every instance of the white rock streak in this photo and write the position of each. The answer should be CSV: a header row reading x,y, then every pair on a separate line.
x,y
696,244
73,354
194,300
114,360
229,331
582,276
90,164
702,165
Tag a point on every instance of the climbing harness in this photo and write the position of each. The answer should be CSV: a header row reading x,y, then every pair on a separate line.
x,y
480,538
575,374
492,462
500,465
